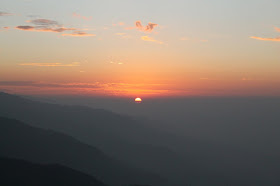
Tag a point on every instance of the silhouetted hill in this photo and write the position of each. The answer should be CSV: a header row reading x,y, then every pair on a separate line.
x,y
181,159
121,136
18,140
14,172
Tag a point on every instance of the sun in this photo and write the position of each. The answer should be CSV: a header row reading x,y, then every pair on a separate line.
x,y
138,100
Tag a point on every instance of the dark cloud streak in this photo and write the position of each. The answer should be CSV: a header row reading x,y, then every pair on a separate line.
x,y
46,25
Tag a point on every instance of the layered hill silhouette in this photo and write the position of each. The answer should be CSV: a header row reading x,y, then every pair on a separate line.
x,y
123,137
18,140
15,172
180,159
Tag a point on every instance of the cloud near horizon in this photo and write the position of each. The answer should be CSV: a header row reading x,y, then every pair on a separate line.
x,y
33,87
53,85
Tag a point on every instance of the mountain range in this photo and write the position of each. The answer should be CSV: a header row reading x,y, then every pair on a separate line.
x,y
120,150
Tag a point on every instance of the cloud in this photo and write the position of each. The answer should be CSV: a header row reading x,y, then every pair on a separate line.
x,y
120,34
118,24
266,39
149,28
74,64
277,29
147,38
33,87
79,34
61,29
27,28
50,85
123,35
43,22
46,25
81,17
5,14
4,28
139,25
39,29
15,83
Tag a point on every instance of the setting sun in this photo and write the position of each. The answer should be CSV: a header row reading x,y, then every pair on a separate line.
x,y
138,100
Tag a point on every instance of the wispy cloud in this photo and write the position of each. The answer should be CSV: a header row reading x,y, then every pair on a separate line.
x,y
5,14
74,64
119,24
50,85
79,34
76,15
119,89
277,29
45,25
43,22
120,34
147,38
123,35
4,28
266,39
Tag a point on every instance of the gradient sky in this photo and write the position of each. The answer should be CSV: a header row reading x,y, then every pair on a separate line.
x,y
140,48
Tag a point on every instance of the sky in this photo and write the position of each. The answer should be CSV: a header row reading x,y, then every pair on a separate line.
x,y
130,48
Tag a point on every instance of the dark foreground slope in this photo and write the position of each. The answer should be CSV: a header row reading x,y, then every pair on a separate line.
x,y
18,140
14,172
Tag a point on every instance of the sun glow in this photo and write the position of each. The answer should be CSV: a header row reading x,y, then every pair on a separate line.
x,y
138,100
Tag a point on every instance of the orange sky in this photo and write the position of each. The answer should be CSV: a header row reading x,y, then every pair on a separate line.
x,y
179,49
